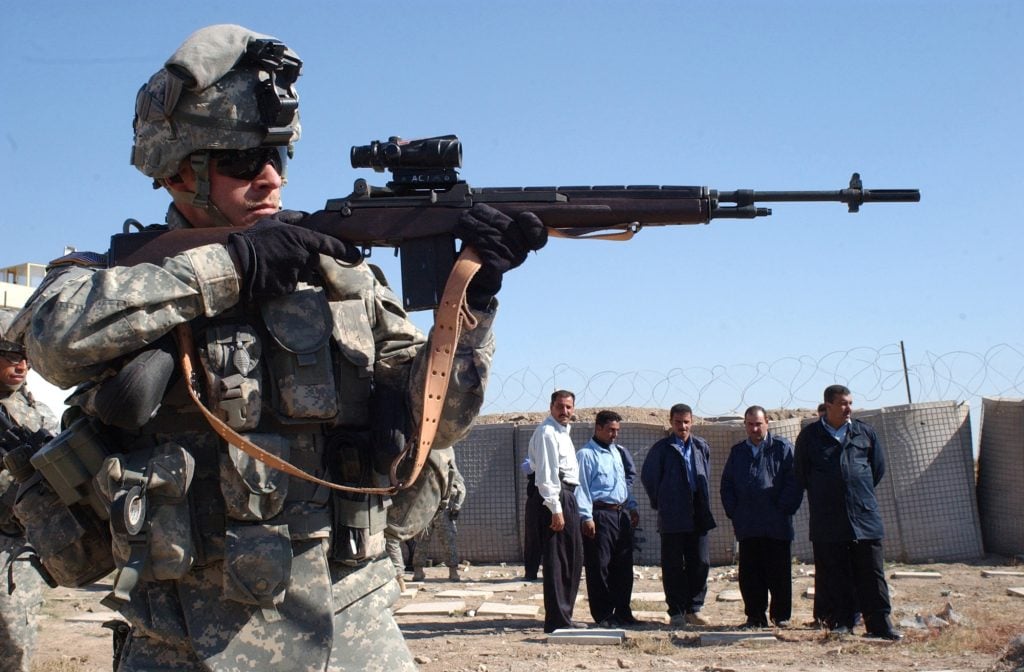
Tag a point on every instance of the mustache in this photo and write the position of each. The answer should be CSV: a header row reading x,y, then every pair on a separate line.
x,y
262,203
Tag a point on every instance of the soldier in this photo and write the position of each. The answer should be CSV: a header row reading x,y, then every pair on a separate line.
x,y
447,514
226,563
19,610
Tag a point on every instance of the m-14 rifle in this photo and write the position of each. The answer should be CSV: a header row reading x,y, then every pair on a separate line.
x,y
416,211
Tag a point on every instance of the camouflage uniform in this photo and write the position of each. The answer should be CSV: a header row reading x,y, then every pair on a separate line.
x,y
82,319
239,566
451,502
19,610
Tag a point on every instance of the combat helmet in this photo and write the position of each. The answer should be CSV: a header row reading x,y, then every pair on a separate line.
x,y
226,87
6,319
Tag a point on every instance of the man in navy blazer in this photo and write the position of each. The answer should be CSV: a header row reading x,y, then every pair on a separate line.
x,y
760,494
675,476
840,461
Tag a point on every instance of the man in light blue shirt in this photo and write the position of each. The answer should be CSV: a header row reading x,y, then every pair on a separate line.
x,y
608,514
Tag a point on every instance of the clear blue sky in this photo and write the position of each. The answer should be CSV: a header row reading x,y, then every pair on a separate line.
x,y
764,95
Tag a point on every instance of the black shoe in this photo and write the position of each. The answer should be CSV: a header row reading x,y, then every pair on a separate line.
x,y
611,623
628,619
781,624
887,635
842,630
578,625
754,625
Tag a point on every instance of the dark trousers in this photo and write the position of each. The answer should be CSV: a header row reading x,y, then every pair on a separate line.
x,y
531,529
765,568
685,562
851,577
562,560
608,558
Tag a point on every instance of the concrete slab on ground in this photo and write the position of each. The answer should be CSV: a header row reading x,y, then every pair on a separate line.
x,y
648,597
96,617
1015,592
509,587
465,594
991,573
718,638
916,575
587,636
507,609
652,616
729,596
433,607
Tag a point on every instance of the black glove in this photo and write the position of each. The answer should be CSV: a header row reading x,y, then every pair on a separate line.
x,y
502,243
453,514
273,254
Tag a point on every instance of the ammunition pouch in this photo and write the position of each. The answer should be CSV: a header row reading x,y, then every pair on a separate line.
x,y
359,520
257,564
252,490
63,515
149,514
72,542
303,383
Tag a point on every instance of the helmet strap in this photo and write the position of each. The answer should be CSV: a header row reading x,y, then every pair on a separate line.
x,y
200,162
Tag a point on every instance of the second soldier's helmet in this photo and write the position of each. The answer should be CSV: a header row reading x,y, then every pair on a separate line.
x,y
6,320
226,87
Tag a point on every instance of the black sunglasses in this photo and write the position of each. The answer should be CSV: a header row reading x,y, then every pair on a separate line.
x,y
246,164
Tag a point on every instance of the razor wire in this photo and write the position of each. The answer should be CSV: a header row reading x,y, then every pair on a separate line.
x,y
875,375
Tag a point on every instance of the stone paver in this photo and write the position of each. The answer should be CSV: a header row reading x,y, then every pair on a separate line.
x,y
464,594
916,575
508,609
433,607
717,638
990,573
729,596
499,587
648,597
589,636
1015,592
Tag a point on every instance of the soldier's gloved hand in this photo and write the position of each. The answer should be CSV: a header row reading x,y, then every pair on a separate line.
x,y
453,514
274,255
502,243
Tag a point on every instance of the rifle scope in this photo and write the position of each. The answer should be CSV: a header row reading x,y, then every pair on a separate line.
x,y
444,151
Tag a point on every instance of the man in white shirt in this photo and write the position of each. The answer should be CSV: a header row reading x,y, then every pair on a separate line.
x,y
556,475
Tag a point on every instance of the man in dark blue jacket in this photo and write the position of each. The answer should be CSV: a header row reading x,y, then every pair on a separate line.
x,y
675,476
840,461
760,494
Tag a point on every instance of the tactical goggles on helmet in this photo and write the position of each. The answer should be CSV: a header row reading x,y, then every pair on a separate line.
x,y
247,164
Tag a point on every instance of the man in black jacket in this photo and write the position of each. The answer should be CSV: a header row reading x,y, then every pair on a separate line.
x,y
840,462
760,494
675,477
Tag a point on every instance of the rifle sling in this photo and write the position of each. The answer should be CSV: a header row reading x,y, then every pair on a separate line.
x,y
452,316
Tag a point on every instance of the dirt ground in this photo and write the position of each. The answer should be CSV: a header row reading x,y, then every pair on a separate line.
x,y
985,620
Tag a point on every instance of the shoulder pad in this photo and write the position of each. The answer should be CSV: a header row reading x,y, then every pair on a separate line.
x,y
87,259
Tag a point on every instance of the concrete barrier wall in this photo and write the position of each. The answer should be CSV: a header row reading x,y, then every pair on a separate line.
x,y
1001,475
927,497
